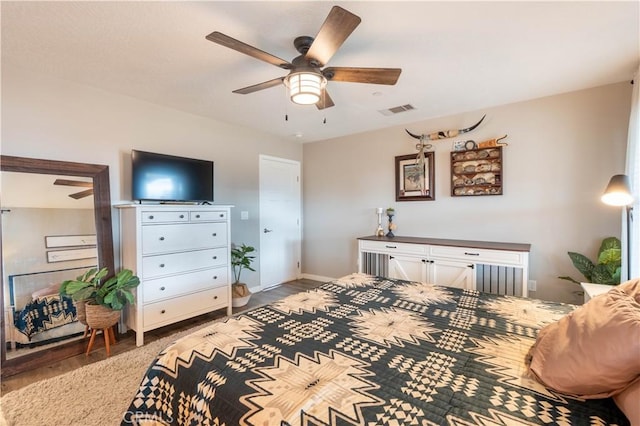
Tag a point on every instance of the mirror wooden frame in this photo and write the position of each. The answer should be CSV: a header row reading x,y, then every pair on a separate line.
x,y
102,214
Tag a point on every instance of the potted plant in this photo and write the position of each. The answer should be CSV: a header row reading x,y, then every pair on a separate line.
x,y
241,258
607,268
102,301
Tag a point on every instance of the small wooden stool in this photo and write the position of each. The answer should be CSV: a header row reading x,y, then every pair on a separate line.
x,y
109,338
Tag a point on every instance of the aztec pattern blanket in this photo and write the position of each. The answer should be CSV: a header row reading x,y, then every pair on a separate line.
x,y
44,313
368,351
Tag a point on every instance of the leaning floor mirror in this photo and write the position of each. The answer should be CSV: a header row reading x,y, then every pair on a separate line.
x,y
55,224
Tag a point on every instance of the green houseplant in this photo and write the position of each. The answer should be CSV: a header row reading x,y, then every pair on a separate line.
x,y
607,268
241,258
88,291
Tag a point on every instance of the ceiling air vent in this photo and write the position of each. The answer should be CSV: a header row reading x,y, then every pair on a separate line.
x,y
397,110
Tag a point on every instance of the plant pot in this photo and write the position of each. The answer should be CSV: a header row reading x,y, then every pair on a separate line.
x,y
81,311
238,302
240,295
100,317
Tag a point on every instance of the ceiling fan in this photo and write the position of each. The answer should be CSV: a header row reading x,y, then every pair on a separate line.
x,y
76,195
307,80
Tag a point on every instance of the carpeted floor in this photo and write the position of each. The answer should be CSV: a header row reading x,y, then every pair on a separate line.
x,y
96,394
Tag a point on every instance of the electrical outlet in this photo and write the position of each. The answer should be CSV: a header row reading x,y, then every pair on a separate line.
x,y
532,285
244,215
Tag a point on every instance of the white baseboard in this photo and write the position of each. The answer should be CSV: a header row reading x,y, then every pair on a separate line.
x,y
317,278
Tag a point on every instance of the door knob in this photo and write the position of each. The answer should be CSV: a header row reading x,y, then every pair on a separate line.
x,y
267,230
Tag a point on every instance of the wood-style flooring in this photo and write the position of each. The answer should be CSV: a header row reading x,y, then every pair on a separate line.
x,y
126,342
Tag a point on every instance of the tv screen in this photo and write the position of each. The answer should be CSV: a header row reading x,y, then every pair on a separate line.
x,y
160,177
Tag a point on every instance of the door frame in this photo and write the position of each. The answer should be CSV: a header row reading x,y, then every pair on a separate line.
x,y
263,158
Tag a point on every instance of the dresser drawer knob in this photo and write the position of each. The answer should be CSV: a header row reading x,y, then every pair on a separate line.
x,y
151,217
181,216
215,257
161,238
471,254
162,265
215,297
162,311
197,216
162,288
214,234
215,277
221,214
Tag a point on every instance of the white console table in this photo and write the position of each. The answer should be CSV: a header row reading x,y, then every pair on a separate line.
x,y
494,267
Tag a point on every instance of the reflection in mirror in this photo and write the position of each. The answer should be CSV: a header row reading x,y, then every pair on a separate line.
x,y
55,223
48,236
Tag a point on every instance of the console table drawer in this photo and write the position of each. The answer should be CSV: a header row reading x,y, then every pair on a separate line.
x,y
151,216
169,311
190,236
391,247
169,287
168,264
477,255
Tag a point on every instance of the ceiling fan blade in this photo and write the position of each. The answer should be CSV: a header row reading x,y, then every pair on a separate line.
x,y
81,194
260,86
67,182
325,101
387,76
232,43
339,24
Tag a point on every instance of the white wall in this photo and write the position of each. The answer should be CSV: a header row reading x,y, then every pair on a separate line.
x,y
562,151
44,117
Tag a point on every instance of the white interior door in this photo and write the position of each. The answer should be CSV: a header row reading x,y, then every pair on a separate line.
x,y
280,236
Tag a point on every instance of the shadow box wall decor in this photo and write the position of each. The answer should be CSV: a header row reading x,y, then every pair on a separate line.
x,y
476,172
415,177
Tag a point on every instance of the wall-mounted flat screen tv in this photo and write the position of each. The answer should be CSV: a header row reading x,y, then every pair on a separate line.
x,y
161,177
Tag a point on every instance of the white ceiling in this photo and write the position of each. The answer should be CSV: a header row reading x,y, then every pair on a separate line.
x,y
455,56
31,190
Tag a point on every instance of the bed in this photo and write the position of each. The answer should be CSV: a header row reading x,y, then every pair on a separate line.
x,y
365,350
39,315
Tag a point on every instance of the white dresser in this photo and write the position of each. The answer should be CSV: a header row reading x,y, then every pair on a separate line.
x,y
492,267
182,255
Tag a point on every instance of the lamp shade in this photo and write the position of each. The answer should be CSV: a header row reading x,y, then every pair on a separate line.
x,y
305,88
618,192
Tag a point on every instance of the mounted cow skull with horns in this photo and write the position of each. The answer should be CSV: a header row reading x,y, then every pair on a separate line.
x,y
422,146
446,133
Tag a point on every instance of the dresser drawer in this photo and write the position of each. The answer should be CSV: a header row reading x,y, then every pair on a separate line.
x,y
189,236
169,287
391,247
176,263
152,216
208,216
477,255
178,308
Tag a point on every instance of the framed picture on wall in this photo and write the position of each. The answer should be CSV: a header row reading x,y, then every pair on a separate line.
x,y
415,177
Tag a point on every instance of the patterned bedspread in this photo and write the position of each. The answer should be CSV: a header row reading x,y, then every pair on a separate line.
x,y
44,313
367,351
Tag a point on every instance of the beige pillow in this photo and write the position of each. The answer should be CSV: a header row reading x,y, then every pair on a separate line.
x,y
632,288
628,401
593,352
50,289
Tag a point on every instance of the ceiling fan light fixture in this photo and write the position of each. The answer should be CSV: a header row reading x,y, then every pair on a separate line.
x,y
305,88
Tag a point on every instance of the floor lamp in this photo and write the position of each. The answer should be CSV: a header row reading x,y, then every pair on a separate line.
x,y
618,193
